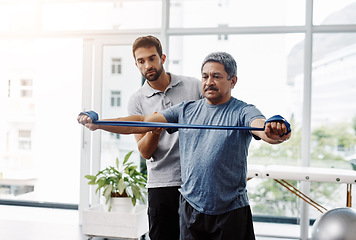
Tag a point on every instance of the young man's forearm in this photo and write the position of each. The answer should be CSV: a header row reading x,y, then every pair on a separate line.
x,y
147,144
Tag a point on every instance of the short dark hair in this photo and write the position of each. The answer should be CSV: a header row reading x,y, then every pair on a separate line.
x,y
225,59
146,42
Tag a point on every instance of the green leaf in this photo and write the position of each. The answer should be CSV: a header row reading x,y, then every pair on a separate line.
x,y
136,191
117,162
129,191
121,186
92,182
107,191
127,156
133,200
101,182
90,177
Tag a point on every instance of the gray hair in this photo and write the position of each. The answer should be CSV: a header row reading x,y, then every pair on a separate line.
x,y
225,59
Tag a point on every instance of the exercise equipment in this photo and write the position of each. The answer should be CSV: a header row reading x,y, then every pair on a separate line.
x,y
173,125
281,174
336,224
95,118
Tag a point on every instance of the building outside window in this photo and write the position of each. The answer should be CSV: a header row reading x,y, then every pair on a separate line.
x,y
26,88
116,66
24,140
115,98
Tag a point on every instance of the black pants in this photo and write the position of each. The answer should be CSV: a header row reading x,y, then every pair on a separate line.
x,y
234,225
163,205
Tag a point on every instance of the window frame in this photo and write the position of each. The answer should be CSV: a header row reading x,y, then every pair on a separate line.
x,y
92,59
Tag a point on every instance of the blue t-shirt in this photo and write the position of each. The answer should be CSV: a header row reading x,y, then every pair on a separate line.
x,y
213,162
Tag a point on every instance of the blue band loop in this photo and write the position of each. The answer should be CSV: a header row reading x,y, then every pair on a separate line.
x,y
93,115
277,118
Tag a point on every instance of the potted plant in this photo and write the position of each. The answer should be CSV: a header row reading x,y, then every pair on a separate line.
x,y
120,181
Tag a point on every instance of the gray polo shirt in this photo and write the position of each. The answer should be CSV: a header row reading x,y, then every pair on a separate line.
x,y
164,167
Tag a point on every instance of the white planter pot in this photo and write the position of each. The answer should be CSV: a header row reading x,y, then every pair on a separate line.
x,y
122,204
98,222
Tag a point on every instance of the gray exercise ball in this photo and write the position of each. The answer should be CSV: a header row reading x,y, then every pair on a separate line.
x,y
336,224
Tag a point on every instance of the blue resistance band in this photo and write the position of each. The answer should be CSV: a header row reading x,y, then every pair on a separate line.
x,y
94,116
173,125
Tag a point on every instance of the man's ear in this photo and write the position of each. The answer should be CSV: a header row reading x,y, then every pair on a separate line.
x,y
163,58
233,81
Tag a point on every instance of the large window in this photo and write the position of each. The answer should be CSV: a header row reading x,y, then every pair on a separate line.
x,y
101,15
333,97
329,12
39,141
225,13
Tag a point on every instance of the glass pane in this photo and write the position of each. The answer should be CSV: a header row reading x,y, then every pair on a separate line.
x,y
329,196
333,126
328,12
118,88
270,199
102,15
39,140
333,100
223,13
15,17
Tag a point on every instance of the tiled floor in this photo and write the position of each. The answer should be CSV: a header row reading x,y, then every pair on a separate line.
x,y
30,223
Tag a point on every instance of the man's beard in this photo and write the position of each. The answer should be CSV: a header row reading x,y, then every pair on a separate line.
x,y
155,76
